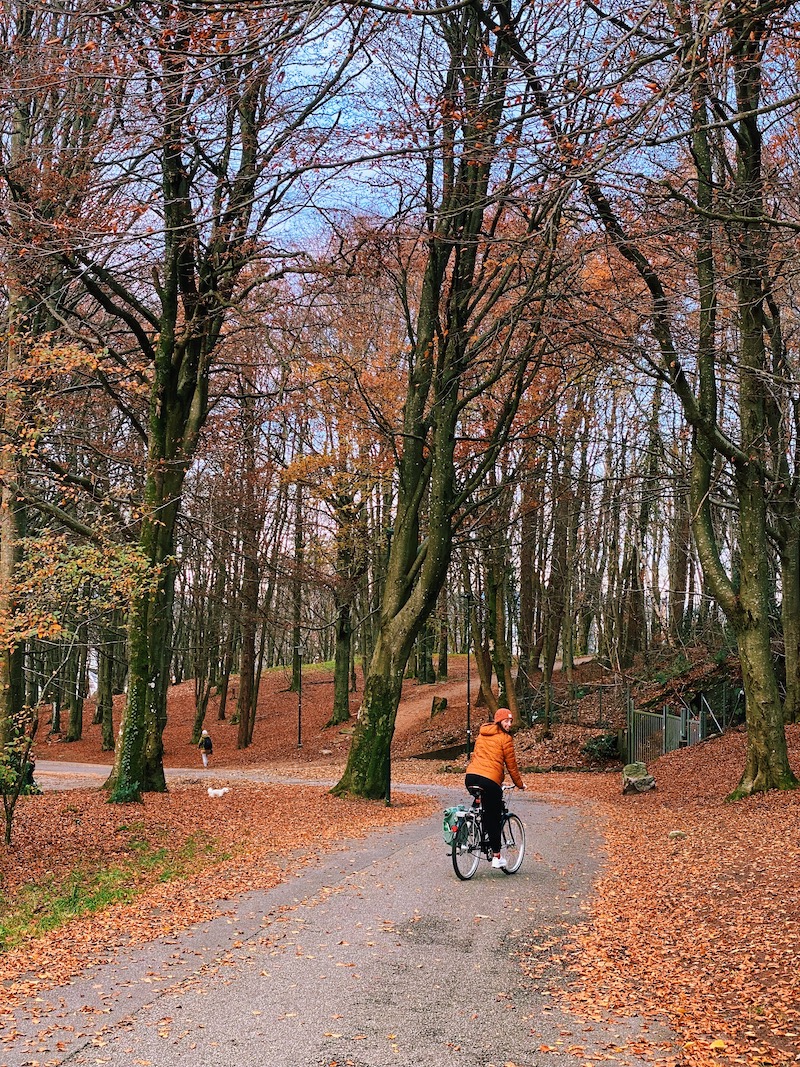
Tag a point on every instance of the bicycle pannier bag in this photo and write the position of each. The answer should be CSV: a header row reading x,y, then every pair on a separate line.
x,y
453,821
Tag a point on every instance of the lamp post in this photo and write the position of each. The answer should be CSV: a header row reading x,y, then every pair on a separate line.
x,y
388,768
299,651
468,600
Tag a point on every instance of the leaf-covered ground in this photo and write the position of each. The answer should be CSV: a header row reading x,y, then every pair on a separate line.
x,y
227,845
282,719
698,928
696,916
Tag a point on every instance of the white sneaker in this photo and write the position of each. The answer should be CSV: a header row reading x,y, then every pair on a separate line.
x,y
498,862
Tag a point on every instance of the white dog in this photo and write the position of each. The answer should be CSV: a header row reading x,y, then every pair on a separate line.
x,y
218,792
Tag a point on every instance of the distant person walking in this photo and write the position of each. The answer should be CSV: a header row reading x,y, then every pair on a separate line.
x,y
205,746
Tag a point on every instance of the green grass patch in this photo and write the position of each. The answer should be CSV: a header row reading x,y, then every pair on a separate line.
x,y
40,907
286,668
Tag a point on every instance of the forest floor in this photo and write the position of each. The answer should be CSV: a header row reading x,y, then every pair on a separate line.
x,y
324,748
695,918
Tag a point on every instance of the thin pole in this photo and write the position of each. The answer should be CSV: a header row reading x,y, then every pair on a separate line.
x,y
299,698
469,691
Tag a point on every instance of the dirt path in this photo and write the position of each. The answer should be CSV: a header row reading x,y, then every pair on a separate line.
x,y
377,956
415,709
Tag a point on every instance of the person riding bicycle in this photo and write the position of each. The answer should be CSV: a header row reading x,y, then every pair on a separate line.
x,y
493,755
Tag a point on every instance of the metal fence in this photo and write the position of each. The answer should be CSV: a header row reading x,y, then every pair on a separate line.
x,y
652,733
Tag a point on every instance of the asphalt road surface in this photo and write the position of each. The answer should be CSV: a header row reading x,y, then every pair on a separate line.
x,y
376,956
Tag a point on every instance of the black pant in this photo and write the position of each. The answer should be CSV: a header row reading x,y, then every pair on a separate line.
x,y
492,804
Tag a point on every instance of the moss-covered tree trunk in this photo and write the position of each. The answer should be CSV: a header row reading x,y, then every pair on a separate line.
x,y
766,763
367,773
406,607
746,603
790,617
341,664
138,761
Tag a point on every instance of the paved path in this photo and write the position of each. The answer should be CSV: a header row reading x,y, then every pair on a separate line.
x,y
376,956
59,774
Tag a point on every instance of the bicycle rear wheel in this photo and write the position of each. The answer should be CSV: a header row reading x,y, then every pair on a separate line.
x,y
512,843
466,849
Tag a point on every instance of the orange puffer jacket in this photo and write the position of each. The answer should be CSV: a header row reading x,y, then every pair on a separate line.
x,y
494,752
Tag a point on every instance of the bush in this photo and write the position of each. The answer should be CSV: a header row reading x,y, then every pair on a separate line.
x,y
602,747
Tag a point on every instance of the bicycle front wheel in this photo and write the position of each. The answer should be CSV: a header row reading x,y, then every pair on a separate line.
x,y
467,849
512,844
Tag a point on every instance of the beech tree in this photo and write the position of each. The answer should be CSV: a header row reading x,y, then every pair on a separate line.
x,y
488,249
215,157
704,78
53,89
350,335
193,127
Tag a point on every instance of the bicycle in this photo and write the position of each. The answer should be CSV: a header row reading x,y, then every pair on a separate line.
x,y
470,842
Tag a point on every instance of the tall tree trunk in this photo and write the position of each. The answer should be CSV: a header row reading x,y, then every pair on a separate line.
x,y
444,638
790,617
478,644
633,634
202,695
138,762
341,664
555,597
497,599
746,607
76,665
766,765
530,526
245,707
250,530
227,667
105,682
33,674
424,667
679,563
12,692
54,690
351,567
